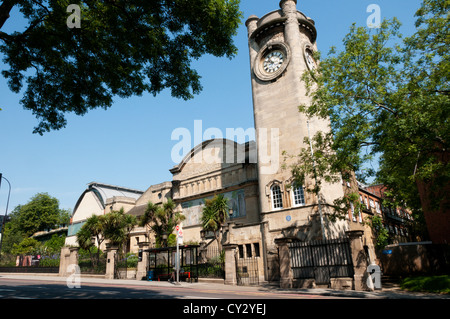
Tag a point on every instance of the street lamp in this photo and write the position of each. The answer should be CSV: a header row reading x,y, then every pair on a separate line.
x,y
6,213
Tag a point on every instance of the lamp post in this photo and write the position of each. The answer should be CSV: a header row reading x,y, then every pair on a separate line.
x,y
6,213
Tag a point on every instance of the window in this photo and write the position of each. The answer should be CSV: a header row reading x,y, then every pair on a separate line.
x,y
353,212
277,201
241,251
241,204
256,248
377,207
298,196
248,248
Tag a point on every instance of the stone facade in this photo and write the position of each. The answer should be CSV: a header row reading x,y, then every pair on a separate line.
x,y
281,128
265,206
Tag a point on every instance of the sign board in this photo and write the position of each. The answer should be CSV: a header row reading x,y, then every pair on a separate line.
x,y
179,235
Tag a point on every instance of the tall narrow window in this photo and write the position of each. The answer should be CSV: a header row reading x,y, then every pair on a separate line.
x,y
298,196
256,247
241,251
248,249
277,201
352,209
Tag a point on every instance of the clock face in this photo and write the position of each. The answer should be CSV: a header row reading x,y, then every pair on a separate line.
x,y
310,60
273,61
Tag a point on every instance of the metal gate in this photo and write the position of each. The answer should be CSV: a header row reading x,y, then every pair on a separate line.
x,y
247,271
122,269
321,259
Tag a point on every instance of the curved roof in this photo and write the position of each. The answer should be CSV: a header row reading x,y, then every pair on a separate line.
x,y
221,141
105,191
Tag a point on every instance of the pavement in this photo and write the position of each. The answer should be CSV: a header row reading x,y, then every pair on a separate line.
x,y
391,291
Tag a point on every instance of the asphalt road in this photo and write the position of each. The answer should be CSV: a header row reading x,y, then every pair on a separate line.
x,y
33,296
37,289
115,299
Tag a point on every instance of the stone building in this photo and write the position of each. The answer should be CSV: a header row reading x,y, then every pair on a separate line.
x,y
99,199
264,203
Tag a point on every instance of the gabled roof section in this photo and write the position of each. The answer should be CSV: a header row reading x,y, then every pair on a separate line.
x,y
105,191
240,153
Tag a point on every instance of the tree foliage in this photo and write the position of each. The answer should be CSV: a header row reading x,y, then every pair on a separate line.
x,y
27,246
387,98
113,227
122,48
161,219
214,214
42,212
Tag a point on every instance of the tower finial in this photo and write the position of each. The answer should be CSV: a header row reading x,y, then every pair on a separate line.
x,y
282,2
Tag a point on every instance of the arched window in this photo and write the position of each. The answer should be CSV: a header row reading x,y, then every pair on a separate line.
x,y
298,196
277,200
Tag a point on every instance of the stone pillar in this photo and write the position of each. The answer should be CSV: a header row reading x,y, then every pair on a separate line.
x,y
73,258
64,261
111,252
286,274
230,264
142,265
359,259
69,256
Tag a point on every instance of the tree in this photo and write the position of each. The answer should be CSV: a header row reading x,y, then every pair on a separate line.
x,y
214,214
387,98
161,220
40,213
121,48
113,227
27,246
91,233
117,227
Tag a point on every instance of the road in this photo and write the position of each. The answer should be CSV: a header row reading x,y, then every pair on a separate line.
x,y
110,299
33,295
39,289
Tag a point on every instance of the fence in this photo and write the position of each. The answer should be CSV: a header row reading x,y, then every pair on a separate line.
x,y
31,264
247,271
211,263
92,265
321,260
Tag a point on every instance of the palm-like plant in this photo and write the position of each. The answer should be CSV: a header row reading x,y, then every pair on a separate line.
x,y
92,228
214,215
114,227
117,226
161,219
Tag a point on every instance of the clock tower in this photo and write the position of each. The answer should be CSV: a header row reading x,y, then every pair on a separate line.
x,y
281,47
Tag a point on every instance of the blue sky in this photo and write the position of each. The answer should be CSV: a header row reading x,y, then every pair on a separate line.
x,y
130,143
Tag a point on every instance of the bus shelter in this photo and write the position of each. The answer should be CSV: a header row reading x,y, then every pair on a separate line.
x,y
162,263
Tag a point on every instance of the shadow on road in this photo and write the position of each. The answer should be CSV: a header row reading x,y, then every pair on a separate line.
x,y
86,291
